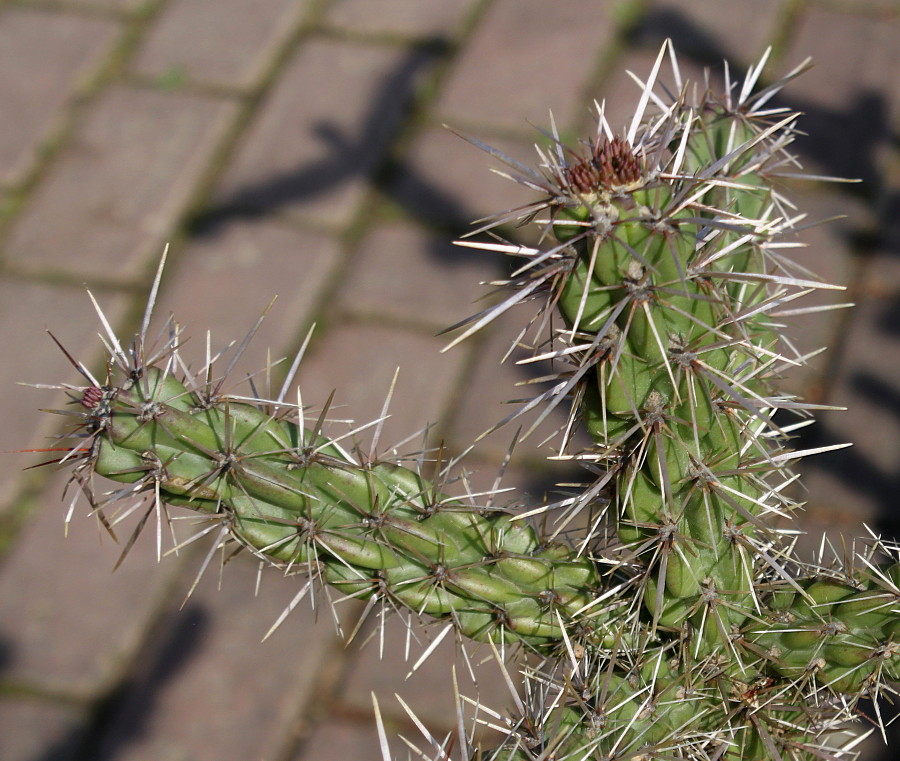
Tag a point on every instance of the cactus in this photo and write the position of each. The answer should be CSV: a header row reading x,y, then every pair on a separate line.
x,y
680,623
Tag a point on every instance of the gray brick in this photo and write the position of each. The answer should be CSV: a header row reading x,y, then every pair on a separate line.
x,y
27,310
445,179
72,631
866,63
829,255
831,511
207,688
881,275
522,487
359,360
188,39
887,8
405,274
850,100
486,397
622,94
115,194
406,17
126,6
863,479
224,280
550,51
428,690
322,131
334,738
356,736
732,29
31,729
45,60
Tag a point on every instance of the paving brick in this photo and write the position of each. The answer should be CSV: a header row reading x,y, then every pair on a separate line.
x,y
622,94
837,520
45,60
524,486
732,30
224,279
862,480
865,65
359,360
429,690
321,132
830,256
485,398
31,729
881,276
207,688
445,179
356,736
254,31
116,193
405,274
550,51
406,17
851,101
27,310
886,8
335,738
70,624
113,5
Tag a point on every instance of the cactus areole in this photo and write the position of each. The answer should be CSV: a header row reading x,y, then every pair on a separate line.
x,y
679,624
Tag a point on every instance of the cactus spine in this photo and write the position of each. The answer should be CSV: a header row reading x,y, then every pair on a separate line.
x,y
695,633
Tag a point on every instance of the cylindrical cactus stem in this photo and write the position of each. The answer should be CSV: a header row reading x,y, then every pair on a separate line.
x,y
660,286
379,529
371,529
668,273
695,634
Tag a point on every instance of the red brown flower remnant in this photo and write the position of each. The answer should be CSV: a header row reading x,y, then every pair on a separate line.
x,y
612,164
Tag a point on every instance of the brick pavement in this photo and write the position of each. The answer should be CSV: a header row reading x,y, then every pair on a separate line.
x,y
296,149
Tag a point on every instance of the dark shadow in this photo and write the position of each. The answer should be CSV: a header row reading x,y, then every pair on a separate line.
x,y
845,142
6,650
121,718
880,485
345,156
841,142
136,702
690,41
62,749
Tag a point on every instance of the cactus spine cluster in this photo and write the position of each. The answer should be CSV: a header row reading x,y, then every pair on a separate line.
x,y
679,623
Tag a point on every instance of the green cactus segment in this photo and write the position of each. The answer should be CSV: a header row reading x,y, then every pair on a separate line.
x,y
668,277
704,637
673,359
371,530
845,634
647,712
838,635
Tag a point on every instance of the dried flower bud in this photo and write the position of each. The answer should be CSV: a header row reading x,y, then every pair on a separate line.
x,y
612,164
92,397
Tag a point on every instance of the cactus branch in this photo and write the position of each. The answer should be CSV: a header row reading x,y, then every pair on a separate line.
x,y
680,624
